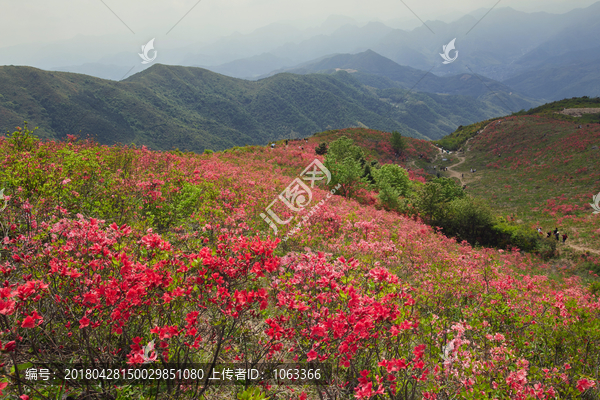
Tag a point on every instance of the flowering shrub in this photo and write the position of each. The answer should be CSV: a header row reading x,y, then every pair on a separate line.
x,y
106,250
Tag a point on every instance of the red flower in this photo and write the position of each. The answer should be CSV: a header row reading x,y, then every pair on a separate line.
x,y
28,322
10,346
311,355
83,322
7,307
584,384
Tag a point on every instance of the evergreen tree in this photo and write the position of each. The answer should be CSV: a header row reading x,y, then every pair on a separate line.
x,y
321,149
398,142
346,162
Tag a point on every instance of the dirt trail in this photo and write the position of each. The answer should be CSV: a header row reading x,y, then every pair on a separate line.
x,y
458,175
582,249
454,174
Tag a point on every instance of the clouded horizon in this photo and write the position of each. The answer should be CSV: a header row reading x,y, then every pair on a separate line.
x,y
190,21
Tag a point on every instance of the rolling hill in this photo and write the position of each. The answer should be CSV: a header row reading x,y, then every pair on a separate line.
x,y
194,109
538,167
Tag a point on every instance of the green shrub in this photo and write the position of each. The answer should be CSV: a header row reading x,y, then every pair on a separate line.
x,y
321,149
346,162
469,219
392,182
398,142
208,151
513,235
516,235
252,394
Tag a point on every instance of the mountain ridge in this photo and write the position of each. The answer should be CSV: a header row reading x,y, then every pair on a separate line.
x,y
195,109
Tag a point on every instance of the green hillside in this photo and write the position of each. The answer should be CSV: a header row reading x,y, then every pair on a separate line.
x,y
551,110
538,168
167,107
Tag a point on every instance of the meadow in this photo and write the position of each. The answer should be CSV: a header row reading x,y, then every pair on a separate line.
x,y
107,249
543,172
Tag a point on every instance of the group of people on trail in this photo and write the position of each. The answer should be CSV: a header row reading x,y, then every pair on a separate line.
x,y
473,170
555,233
292,140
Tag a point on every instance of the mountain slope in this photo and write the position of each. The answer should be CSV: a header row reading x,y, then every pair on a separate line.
x,y
539,168
192,108
368,66
250,68
555,83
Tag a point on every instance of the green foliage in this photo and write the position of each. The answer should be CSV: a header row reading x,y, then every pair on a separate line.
x,y
510,234
432,200
346,162
23,139
392,182
428,202
450,190
194,109
458,138
398,142
321,149
369,171
177,207
595,288
208,151
252,394
470,219
590,266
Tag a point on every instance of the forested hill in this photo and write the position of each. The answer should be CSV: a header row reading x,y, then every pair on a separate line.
x,y
167,107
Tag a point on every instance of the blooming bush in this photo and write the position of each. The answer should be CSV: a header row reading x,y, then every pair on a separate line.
x,y
108,252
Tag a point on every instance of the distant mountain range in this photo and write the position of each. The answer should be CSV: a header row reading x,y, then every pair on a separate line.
x,y
500,45
191,108
379,72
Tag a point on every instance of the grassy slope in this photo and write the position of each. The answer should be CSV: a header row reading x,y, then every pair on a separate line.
x,y
541,170
377,145
455,140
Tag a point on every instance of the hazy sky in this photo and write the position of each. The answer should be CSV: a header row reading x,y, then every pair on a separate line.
x,y
39,21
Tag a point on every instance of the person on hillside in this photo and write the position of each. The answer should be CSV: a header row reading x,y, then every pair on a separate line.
x,y
272,145
556,233
549,234
540,231
565,237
